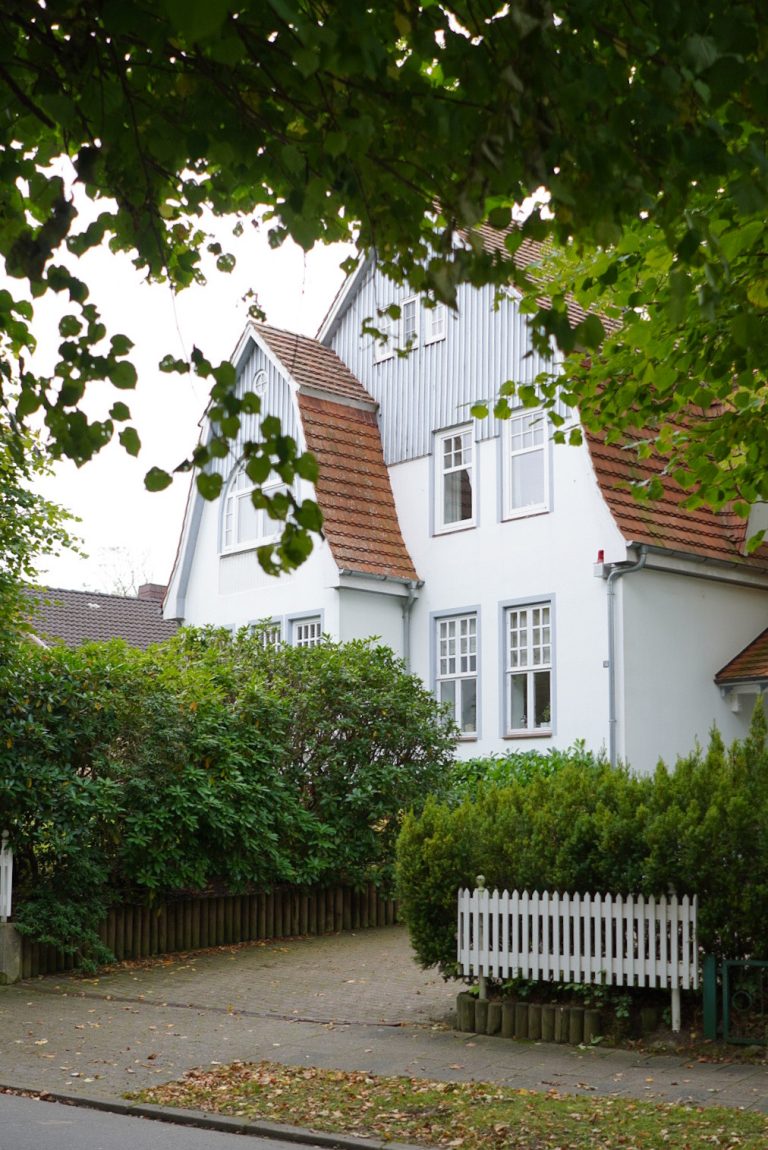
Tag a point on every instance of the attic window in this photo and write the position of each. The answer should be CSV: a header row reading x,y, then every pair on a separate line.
x,y
245,526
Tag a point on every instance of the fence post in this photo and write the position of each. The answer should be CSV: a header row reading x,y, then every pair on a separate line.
x,y
482,980
710,997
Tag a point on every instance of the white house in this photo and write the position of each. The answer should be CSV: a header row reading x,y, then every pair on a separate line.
x,y
518,579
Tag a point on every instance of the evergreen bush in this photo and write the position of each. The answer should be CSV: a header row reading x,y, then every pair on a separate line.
x,y
700,828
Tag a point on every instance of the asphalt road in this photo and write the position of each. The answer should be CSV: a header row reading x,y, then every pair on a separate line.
x,y
29,1124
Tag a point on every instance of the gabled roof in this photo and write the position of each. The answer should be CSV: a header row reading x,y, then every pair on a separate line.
x,y
74,617
313,367
749,665
663,522
353,489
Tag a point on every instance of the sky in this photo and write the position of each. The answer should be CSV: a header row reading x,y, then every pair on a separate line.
x,y
129,535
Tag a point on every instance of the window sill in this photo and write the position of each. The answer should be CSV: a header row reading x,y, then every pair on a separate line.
x,y
537,734
467,738
454,528
524,513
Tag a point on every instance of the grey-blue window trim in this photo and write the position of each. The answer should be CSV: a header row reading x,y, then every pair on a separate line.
x,y
438,433
504,606
299,617
453,613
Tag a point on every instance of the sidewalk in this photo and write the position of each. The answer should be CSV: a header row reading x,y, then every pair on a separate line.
x,y
350,1002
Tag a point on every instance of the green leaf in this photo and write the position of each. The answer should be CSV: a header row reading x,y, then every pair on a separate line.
x,y
123,375
157,480
209,485
130,440
309,515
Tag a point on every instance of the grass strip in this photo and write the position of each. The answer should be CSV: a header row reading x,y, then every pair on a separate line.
x,y
469,1115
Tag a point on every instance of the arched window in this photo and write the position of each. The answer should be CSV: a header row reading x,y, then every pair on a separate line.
x,y
243,524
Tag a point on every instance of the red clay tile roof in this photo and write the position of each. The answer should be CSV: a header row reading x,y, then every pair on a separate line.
x,y
353,489
749,664
663,522
75,617
313,365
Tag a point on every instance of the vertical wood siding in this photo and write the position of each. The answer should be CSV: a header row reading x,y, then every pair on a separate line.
x,y
436,384
276,399
200,921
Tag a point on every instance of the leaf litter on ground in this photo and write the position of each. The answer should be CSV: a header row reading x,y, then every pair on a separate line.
x,y
457,1115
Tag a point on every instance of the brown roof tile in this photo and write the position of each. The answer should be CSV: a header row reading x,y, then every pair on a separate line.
x,y
313,365
664,522
749,664
75,617
353,489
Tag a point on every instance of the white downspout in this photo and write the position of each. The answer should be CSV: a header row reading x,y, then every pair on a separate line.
x,y
615,572
407,607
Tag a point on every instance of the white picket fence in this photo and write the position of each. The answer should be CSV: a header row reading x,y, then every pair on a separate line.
x,y
6,878
580,938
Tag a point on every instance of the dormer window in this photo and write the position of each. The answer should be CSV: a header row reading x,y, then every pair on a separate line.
x,y
245,526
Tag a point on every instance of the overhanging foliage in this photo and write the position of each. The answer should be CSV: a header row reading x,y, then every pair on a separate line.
x,y
349,121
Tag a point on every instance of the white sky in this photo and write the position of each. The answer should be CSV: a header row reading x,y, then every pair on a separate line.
x,y
129,535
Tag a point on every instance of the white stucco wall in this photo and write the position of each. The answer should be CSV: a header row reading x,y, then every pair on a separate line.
x,y
232,590
549,557
366,614
676,633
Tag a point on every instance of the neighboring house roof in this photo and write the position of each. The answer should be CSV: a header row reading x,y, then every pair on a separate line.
x,y
749,665
73,617
663,522
353,489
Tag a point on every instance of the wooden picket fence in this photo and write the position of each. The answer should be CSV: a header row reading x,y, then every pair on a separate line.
x,y
199,921
631,941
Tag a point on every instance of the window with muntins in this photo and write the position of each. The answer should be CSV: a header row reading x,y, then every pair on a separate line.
x,y
434,323
243,524
384,348
454,480
526,479
528,668
456,679
269,634
409,323
307,632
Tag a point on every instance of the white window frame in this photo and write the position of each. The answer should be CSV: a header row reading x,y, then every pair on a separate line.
x,y
532,419
270,631
306,630
434,323
384,349
237,493
466,433
457,662
409,329
528,655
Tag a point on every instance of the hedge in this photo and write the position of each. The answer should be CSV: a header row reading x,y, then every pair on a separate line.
x,y
209,758
699,828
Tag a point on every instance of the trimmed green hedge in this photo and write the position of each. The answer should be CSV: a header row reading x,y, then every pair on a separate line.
x,y
207,758
701,828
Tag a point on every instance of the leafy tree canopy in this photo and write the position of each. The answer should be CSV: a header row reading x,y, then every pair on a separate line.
x,y
30,526
339,121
